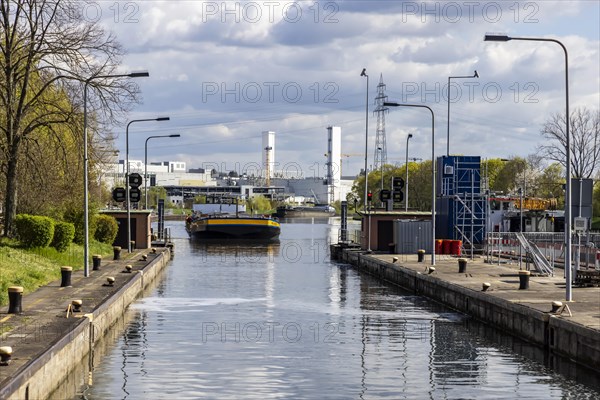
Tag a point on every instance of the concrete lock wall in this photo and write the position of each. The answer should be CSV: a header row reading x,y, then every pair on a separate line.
x,y
41,377
549,331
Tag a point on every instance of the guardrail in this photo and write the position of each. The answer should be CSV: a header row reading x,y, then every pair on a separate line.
x,y
501,246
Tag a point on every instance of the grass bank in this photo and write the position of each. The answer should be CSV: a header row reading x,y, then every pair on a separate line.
x,y
32,268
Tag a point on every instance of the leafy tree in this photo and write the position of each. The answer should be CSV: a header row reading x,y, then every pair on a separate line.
x,y
156,193
47,49
490,169
550,182
258,205
584,126
420,186
596,200
510,176
419,175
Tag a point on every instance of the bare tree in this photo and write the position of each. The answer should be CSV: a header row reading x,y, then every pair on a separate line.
x,y
47,49
585,143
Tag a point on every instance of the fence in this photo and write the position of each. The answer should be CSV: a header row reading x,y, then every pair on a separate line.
x,y
503,246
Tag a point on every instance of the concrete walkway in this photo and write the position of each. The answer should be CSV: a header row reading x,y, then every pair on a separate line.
x,y
43,322
504,280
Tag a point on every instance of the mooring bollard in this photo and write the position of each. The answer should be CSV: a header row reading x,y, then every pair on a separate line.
x,y
556,305
15,298
110,281
128,268
132,244
420,255
392,248
65,276
76,305
96,261
524,279
485,286
462,265
5,355
117,252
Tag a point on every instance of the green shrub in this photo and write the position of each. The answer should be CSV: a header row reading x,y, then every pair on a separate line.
x,y
75,216
106,229
64,232
34,230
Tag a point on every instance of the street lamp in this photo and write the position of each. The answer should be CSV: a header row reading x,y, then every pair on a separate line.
x,y
364,73
380,150
127,174
392,104
146,164
475,75
520,225
406,180
86,211
505,38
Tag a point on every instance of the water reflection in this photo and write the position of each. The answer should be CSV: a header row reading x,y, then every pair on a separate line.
x,y
133,348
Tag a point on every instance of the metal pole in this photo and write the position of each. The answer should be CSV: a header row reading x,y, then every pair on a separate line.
x,y
381,168
146,164
406,180
127,174
520,226
127,187
432,186
86,220
146,173
364,73
568,260
433,196
448,123
86,211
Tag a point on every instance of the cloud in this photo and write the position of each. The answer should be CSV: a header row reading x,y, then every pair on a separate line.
x,y
225,76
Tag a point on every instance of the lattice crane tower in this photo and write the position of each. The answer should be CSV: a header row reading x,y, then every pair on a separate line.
x,y
380,143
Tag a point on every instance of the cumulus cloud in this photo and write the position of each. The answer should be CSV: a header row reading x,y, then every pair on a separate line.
x,y
226,71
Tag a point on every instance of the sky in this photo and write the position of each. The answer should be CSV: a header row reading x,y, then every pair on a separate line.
x,y
225,71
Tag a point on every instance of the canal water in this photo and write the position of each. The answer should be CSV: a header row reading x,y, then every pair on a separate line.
x,y
270,321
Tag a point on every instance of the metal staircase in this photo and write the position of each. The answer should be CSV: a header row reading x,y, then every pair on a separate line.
x,y
540,262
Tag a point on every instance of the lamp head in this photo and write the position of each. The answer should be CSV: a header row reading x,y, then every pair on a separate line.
x,y
476,75
175,135
141,74
162,119
496,38
364,72
409,135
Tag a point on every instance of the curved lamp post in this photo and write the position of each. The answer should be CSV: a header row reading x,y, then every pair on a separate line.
x,y
146,164
392,104
127,174
475,75
86,211
568,272
364,73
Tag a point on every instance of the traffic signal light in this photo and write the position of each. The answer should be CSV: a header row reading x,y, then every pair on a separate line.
x,y
369,196
397,189
397,183
135,194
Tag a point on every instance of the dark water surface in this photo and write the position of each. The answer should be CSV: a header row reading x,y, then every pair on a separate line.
x,y
267,321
